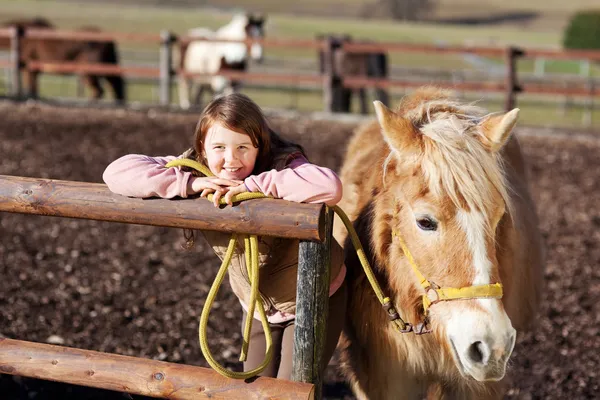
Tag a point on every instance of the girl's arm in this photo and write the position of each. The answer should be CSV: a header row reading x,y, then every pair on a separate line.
x,y
300,181
137,175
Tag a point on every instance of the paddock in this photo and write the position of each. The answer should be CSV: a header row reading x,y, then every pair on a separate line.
x,y
132,290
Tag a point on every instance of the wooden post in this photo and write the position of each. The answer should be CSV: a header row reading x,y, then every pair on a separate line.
x,y
512,87
588,112
342,96
15,57
312,308
166,73
326,60
378,63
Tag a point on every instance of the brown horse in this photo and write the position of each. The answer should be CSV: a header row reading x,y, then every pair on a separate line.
x,y
444,182
55,50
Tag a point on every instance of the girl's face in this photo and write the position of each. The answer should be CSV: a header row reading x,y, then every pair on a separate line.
x,y
230,155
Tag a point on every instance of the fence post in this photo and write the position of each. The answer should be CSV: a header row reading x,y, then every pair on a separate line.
x,y
326,61
512,87
588,113
312,308
166,72
15,57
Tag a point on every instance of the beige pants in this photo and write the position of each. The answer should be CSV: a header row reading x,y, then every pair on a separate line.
x,y
283,339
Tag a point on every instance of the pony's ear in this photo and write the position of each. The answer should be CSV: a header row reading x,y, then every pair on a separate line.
x,y
398,132
496,129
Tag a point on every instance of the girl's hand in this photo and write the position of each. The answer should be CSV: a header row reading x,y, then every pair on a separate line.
x,y
232,191
211,184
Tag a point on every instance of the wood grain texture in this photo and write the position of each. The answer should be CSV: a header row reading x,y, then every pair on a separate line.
x,y
312,308
269,217
136,375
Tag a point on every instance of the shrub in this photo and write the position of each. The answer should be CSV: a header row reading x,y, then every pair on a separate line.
x,y
583,31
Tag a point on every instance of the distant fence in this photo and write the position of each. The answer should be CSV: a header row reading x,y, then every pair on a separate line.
x,y
310,223
330,78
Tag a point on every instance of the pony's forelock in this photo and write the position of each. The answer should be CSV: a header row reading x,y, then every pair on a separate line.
x,y
453,159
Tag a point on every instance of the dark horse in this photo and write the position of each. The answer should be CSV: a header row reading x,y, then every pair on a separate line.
x,y
351,64
59,50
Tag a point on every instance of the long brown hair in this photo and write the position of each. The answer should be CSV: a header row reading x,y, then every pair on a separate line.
x,y
239,113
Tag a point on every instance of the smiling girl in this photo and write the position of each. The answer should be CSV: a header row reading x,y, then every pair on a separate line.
x,y
235,141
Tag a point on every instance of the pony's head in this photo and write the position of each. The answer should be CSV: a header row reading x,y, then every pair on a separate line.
x,y
255,29
444,197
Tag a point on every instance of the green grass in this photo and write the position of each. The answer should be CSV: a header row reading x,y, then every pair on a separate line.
x,y
132,18
128,18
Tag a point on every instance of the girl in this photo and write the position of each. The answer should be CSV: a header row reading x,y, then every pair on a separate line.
x,y
234,140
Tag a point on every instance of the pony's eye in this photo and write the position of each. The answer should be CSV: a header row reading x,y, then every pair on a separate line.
x,y
426,224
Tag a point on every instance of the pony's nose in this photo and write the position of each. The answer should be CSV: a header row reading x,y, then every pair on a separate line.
x,y
478,353
485,352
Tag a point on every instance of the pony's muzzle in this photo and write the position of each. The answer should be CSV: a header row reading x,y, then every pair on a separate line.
x,y
485,359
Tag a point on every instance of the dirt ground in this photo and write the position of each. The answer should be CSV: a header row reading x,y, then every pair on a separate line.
x,y
132,290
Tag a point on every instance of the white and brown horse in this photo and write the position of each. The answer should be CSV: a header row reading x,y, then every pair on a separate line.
x,y
444,182
211,57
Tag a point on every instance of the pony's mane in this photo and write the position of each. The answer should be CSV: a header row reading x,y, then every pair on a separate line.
x,y
453,159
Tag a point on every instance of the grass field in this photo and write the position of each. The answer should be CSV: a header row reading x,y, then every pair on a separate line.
x,y
312,17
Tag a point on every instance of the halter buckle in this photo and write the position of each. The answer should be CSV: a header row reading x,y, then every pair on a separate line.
x,y
391,311
422,328
432,294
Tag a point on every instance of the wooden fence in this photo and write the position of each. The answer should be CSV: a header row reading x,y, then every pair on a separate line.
x,y
311,223
330,79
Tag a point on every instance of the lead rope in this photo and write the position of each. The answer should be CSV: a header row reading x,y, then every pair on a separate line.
x,y
251,254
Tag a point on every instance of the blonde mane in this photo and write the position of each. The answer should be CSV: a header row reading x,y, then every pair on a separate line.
x,y
453,158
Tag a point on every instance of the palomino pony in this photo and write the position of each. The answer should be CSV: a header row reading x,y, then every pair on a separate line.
x,y
444,183
204,57
52,50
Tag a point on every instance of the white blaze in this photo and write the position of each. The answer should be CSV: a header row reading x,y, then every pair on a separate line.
x,y
473,225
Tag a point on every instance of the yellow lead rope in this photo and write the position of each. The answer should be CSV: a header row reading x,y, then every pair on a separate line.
x,y
251,254
433,293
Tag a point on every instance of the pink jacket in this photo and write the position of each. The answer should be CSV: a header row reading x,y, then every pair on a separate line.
x,y
138,175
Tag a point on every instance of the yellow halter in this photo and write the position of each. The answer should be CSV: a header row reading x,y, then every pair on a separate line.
x,y
433,293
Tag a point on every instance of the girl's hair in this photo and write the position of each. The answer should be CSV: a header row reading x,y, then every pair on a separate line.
x,y
239,113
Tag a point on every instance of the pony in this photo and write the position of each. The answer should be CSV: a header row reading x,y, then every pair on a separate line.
x,y
437,192
58,50
204,57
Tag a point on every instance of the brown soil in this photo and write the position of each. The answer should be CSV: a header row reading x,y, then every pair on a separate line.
x,y
132,290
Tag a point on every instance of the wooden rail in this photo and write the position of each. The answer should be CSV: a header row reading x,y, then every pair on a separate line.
x,y
270,217
137,376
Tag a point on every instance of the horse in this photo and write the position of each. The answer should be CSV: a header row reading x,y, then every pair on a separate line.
x,y
371,65
204,57
58,50
437,192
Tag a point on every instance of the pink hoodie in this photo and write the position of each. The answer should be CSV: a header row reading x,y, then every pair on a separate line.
x,y
137,175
